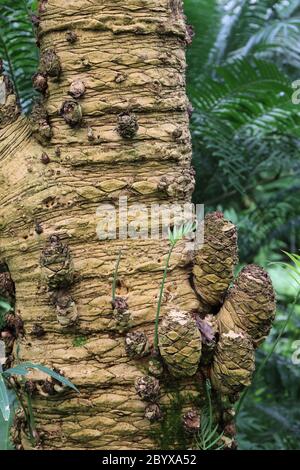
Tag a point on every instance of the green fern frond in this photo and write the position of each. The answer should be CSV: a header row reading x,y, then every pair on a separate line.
x,y
242,81
242,119
279,38
17,46
241,19
206,18
273,216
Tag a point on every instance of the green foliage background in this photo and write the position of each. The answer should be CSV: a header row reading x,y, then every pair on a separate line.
x,y
246,140
18,46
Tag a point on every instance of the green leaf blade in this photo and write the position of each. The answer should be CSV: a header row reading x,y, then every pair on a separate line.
x,y
4,400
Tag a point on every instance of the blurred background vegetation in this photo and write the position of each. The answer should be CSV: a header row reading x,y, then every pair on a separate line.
x,y
246,138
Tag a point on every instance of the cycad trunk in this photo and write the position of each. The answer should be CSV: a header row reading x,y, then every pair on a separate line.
x,y
130,56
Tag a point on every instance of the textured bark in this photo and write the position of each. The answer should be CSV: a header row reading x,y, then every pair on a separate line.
x,y
129,54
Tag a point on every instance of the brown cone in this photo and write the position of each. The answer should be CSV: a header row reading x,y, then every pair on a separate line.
x,y
180,343
233,364
250,305
215,261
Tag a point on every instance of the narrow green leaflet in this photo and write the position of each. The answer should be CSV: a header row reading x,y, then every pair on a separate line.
x,y
5,426
180,232
25,367
295,258
17,370
4,400
4,434
4,306
4,309
116,276
294,271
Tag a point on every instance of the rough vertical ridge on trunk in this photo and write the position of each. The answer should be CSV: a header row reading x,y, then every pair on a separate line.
x,y
129,55
9,107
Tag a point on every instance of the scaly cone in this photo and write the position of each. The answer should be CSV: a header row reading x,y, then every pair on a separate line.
x,y
180,343
233,364
250,305
215,261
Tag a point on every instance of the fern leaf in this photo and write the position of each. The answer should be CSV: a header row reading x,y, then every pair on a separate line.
x,y
17,47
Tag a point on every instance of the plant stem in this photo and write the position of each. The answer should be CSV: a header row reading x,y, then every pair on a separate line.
x,y
32,425
28,413
161,296
116,276
207,386
270,353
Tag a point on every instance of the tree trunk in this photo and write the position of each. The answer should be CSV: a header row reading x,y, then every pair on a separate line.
x,y
130,57
114,122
